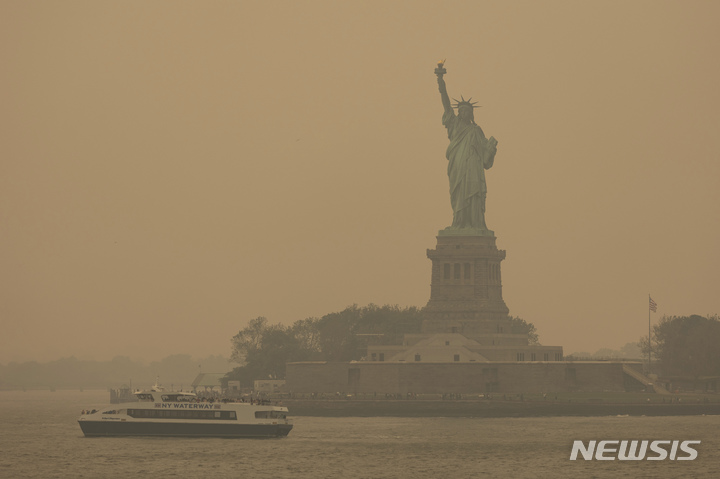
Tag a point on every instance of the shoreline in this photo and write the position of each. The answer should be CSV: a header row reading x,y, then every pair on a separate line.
x,y
487,408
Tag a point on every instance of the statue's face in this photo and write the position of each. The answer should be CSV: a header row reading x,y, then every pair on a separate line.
x,y
465,113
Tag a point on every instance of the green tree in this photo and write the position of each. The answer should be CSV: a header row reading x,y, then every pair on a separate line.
x,y
520,326
345,335
686,345
263,349
307,334
388,324
248,339
278,347
338,338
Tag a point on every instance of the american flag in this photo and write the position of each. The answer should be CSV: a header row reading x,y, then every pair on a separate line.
x,y
653,305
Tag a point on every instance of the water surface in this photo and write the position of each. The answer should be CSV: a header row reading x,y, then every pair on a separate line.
x,y
40,437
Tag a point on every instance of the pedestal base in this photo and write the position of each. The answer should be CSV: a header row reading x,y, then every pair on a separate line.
x,y
466,286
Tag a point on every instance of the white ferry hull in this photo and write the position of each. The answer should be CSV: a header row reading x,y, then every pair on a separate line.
x,y
163,428
178,413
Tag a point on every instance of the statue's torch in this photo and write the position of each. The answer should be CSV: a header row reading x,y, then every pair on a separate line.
x,y
440,70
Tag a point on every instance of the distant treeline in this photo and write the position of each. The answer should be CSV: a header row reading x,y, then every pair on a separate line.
x,y
629,351
178,370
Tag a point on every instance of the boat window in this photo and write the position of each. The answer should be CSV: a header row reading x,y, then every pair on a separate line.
x,y
177,397
269,414
145,397
182,414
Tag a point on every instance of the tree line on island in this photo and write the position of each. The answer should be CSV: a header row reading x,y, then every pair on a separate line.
x,y
262,349
683,346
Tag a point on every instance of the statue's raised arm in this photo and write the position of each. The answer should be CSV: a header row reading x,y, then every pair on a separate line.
x,y
440,71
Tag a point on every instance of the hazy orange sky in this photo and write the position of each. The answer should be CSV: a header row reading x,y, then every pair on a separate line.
x,y
171,170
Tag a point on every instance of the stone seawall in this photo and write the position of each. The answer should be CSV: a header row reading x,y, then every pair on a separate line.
x,y
474,408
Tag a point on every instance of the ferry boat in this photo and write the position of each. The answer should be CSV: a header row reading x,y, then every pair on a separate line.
x,y
160,413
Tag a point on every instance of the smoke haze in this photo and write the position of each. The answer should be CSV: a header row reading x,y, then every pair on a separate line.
x,y
171,170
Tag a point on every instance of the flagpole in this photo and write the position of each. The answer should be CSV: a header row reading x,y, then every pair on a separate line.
x,y
649,338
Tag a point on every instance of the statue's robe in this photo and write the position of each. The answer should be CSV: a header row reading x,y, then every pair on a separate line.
x,y
469,155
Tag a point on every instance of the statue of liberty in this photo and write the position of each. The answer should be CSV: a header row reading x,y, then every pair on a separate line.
x,y
469,155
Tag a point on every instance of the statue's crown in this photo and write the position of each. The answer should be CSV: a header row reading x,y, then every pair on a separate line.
x,y
464,102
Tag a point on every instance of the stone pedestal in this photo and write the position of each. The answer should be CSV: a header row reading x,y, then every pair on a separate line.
x,y
466,287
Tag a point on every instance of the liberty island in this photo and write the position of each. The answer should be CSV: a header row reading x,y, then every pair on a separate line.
x,y
468,343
